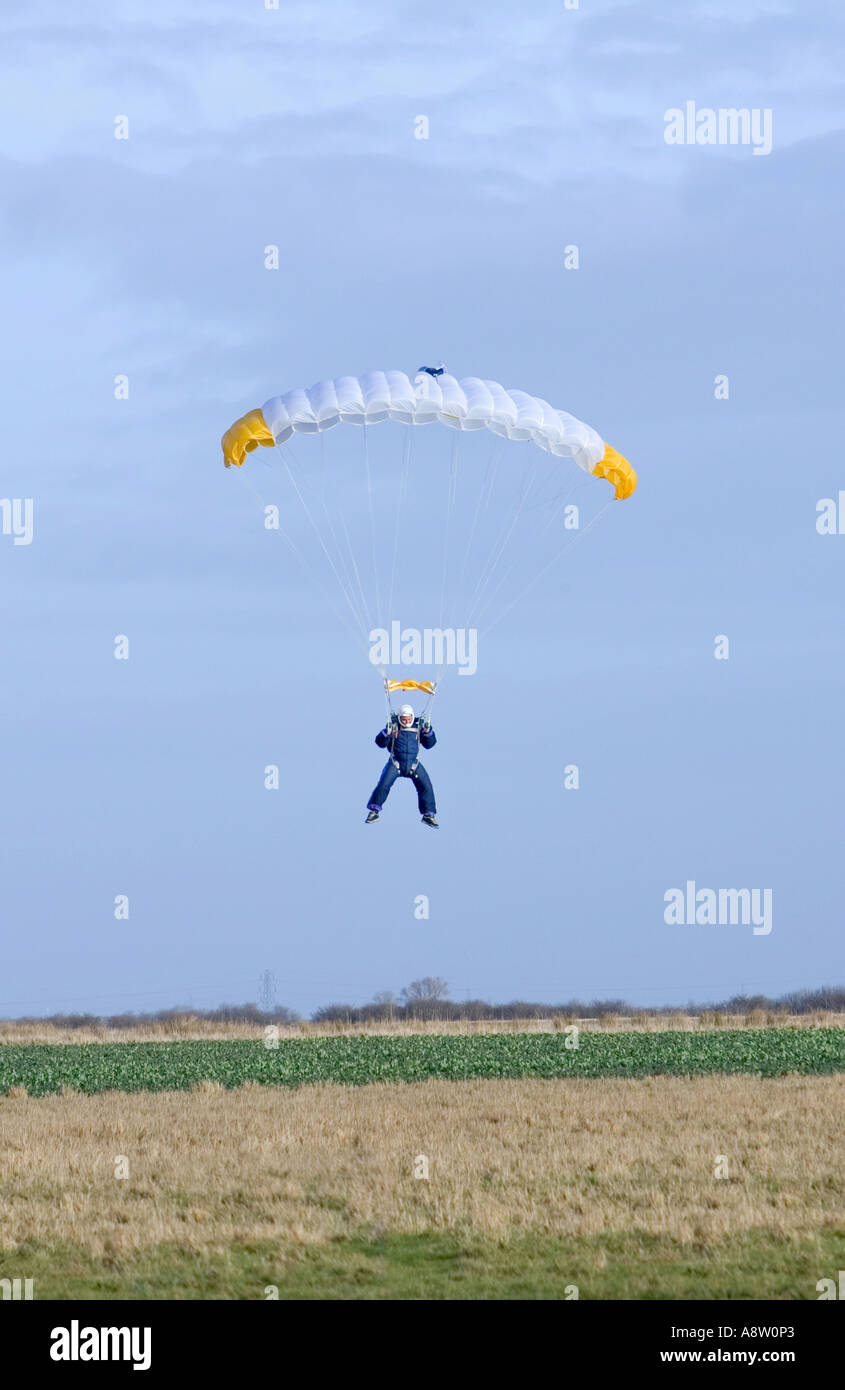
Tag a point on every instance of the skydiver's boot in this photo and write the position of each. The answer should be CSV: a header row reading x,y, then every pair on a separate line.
x,y
432,821
372,815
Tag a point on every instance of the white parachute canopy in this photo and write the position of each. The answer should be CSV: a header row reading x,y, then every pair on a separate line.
x,y
469,404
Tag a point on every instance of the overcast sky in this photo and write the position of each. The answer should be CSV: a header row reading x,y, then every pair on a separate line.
x,y
145,257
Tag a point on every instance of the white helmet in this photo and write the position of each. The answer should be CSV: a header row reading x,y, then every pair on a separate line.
x,y
406,716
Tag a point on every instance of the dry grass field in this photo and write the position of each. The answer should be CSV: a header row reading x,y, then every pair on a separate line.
x,y
189,1028
533,1187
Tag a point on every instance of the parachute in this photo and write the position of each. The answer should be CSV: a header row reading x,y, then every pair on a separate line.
x,y
468,404
495,503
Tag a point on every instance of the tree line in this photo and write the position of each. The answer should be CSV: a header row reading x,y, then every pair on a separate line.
x,y
428,998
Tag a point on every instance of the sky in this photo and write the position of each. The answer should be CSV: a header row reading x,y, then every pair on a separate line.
x,y
141,264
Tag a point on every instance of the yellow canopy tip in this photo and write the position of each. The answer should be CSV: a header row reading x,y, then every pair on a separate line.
x,y
618,471
245,435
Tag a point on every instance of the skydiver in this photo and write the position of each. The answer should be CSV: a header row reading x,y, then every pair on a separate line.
x,y
402,738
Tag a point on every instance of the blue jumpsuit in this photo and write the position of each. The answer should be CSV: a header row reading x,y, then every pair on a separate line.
x,y
403,746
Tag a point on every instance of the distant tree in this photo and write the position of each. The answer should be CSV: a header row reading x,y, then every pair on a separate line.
x,y
520,1008
336,1013
603,1007
235,1013
383,1006
76,1021
280,1013
428,990
807,1000
124,1021
473,1009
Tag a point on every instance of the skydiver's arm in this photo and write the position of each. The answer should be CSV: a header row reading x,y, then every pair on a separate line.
x,y
428,738
382,738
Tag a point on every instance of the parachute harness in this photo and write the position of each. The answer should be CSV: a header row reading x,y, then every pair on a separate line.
x,y
427,687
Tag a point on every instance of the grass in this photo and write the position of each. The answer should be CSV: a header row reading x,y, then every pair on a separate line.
x,y
533,1185
190,1028
92,1067
441,1266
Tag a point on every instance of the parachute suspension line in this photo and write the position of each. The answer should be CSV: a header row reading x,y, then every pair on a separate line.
x,y
341,617
491,597
482,503
559,504
499,549
355,600
427,706
316,531
482,603
496,547
341,558
567,546
367,620
360,602
372,525
407,451
450,505
552,517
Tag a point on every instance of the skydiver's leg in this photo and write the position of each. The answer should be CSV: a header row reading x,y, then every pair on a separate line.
x,y
382,789
425,791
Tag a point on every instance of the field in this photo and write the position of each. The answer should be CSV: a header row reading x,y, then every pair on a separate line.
x,y
492,1163
533,1188
41,1068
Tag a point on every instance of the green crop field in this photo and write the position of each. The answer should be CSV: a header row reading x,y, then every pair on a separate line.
x,y
90,1067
